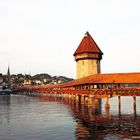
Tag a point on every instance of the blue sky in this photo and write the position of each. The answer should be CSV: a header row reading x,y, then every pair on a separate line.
x,y
40,36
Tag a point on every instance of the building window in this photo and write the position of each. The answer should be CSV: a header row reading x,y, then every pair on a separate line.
x,y
83,62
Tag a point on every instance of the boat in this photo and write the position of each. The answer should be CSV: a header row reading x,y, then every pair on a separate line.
x,y
5,91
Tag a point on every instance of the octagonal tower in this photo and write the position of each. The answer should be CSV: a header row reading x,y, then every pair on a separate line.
x,y
88,56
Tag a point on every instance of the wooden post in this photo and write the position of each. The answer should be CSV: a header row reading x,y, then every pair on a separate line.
x,y
96,103
82,99
83,109
90,111
90,100
119,104
107,105
73,97
77,98
86,100
134,104
69,95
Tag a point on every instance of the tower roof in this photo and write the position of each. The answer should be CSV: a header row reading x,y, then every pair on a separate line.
x,y
88,45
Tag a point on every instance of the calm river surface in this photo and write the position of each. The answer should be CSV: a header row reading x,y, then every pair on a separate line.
x,y
46,118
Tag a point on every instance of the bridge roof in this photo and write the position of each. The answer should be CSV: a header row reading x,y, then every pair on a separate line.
x,y
88,45
118,78
110,78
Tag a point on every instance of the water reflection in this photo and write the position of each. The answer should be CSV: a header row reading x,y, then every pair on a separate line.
x,y
5,99
25,117
35,118
104,123
5,102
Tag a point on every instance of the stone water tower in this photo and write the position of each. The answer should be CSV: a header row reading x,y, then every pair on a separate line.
x,y
88,56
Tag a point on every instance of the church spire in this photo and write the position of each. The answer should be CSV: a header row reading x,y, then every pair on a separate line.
x,y
8,71
9,77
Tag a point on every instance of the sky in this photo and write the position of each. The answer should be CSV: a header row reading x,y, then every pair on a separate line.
x,y
40,36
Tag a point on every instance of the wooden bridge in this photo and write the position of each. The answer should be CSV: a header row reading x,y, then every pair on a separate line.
x,y
89,89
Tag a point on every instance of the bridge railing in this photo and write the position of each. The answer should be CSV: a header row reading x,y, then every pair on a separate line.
x,y
95,92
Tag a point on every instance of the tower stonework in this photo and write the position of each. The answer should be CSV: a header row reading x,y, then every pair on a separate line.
x,y
87,57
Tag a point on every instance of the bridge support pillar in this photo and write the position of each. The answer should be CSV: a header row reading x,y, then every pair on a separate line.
x,y
119,104
72,97
90,100
59,95
77,98
96,103
82,99
63,95
69,96
134,104
66,98
86,99
107,105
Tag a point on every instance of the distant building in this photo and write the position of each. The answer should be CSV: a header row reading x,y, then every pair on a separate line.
x,y
1,81
27,82
37,82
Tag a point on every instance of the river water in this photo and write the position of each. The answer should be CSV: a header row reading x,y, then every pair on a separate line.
x,y
48,118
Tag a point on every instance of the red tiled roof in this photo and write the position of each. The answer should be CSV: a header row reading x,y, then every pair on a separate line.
x,y
110,78
88,45
120,78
